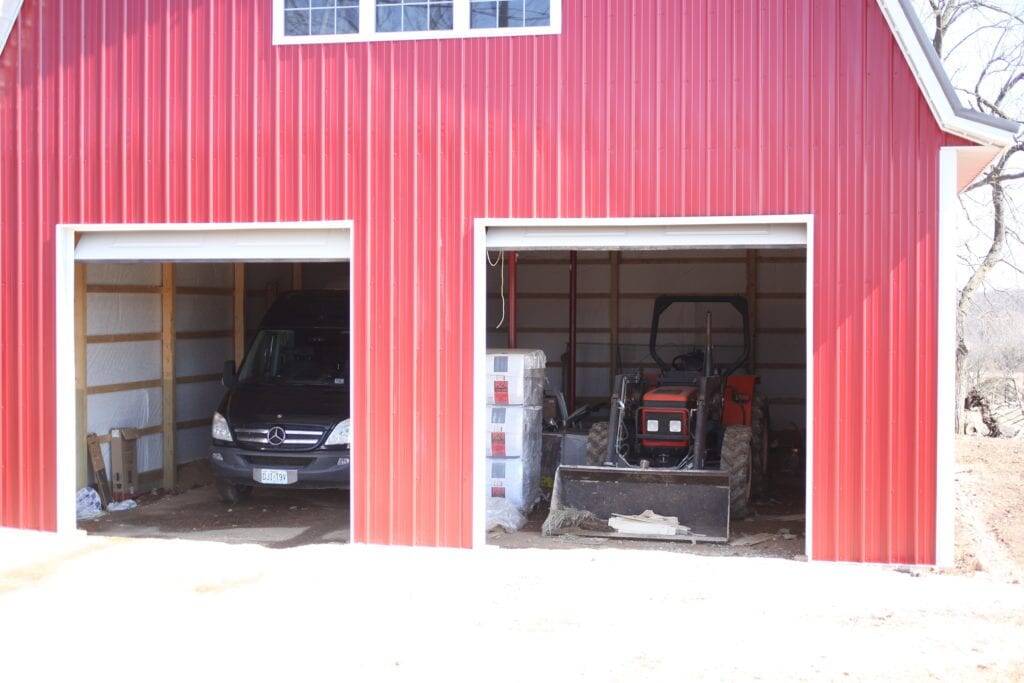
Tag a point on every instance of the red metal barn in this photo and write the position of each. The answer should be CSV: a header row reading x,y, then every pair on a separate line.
x,y
194,111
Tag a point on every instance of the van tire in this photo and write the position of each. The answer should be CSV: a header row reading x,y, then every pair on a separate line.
x,y
232,493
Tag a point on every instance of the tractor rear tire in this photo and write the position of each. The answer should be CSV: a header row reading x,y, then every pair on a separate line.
x,y
736,460
759,427
597,443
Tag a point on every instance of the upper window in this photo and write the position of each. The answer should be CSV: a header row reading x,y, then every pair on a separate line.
x,y
320,17
335,21
509,13
414,15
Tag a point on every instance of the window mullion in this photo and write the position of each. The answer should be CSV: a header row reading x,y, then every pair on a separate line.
x,y
367,17
460,16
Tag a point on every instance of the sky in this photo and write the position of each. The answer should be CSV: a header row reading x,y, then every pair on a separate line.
x,y
995,31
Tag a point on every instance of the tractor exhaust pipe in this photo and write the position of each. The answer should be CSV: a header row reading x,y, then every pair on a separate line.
x,y
708,365
700,445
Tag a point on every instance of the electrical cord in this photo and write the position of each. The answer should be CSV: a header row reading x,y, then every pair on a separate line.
x,y
500,260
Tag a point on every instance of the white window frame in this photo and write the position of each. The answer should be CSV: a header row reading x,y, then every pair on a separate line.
x,y
368,27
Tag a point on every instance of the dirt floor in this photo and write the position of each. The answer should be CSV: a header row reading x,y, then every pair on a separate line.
x,y
990,507
278,518
273,518
780,524
776,528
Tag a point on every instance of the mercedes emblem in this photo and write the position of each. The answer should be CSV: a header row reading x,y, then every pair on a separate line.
x,y
276,436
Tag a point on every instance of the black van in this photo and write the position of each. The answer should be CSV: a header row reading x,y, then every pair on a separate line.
x,y
285,418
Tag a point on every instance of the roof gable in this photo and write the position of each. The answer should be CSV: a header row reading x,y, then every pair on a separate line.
x,y
8,13
950,113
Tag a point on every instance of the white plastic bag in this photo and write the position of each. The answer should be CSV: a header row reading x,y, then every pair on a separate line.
x,y
88,504
122,505
501,513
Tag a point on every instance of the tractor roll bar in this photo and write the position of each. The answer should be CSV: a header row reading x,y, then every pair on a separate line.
x,y
663,302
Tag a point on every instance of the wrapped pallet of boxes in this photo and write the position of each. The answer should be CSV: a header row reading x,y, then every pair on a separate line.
x,y
515,395
515,377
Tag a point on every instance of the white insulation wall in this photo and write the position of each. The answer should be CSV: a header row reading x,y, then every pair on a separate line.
x,y
543,315
203,316
117,362
204,325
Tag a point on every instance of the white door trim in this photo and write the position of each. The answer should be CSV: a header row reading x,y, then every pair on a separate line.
x,y
174,239
694,232
945,400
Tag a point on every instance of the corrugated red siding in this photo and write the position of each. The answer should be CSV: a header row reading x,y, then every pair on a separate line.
x,y
163,110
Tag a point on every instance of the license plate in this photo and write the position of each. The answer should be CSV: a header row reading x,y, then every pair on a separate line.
x,y
273,476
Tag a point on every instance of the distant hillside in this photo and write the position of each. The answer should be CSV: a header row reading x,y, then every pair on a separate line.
x,y
996,320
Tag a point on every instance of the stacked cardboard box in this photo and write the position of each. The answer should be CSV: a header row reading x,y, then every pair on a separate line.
x,y
515,395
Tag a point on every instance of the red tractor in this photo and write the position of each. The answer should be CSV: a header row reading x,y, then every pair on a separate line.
x,y
688,442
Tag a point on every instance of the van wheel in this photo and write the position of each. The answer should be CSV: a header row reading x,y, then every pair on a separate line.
x,y
232,493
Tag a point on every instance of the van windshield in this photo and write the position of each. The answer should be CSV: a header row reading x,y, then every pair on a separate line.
x,y
299,357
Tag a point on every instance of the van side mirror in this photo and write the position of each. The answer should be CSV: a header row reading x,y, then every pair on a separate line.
x,y
230,378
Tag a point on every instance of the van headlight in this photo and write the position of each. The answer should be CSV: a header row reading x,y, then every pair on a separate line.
x,y
220,430
341,435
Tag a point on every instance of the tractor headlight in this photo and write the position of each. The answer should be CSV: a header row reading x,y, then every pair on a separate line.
x,y
341,435
652,425
220,430
675,426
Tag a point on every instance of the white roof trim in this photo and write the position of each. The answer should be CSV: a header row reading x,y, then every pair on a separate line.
x,y
950,113
8,13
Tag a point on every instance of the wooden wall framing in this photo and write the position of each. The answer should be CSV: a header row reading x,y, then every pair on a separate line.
x,y
168,382
610,298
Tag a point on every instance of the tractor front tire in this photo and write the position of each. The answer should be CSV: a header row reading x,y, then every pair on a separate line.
x,y
597,443
736,460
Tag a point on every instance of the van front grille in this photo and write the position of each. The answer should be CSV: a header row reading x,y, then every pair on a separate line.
x,y
279,437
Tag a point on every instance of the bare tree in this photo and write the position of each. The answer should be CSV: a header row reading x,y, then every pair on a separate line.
x,y
982,45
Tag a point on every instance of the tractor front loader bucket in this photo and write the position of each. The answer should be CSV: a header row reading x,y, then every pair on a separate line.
x,y
586,497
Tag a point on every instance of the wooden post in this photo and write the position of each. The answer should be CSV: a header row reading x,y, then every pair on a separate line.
x,y
81,398
752,305
613,318
513,299
296,276
570,390
239,312
167,374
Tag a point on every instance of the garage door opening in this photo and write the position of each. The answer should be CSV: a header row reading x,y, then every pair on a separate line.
x,y
584,297
159,346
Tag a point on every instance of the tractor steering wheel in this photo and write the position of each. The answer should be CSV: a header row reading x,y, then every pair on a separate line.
x,y
693,360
